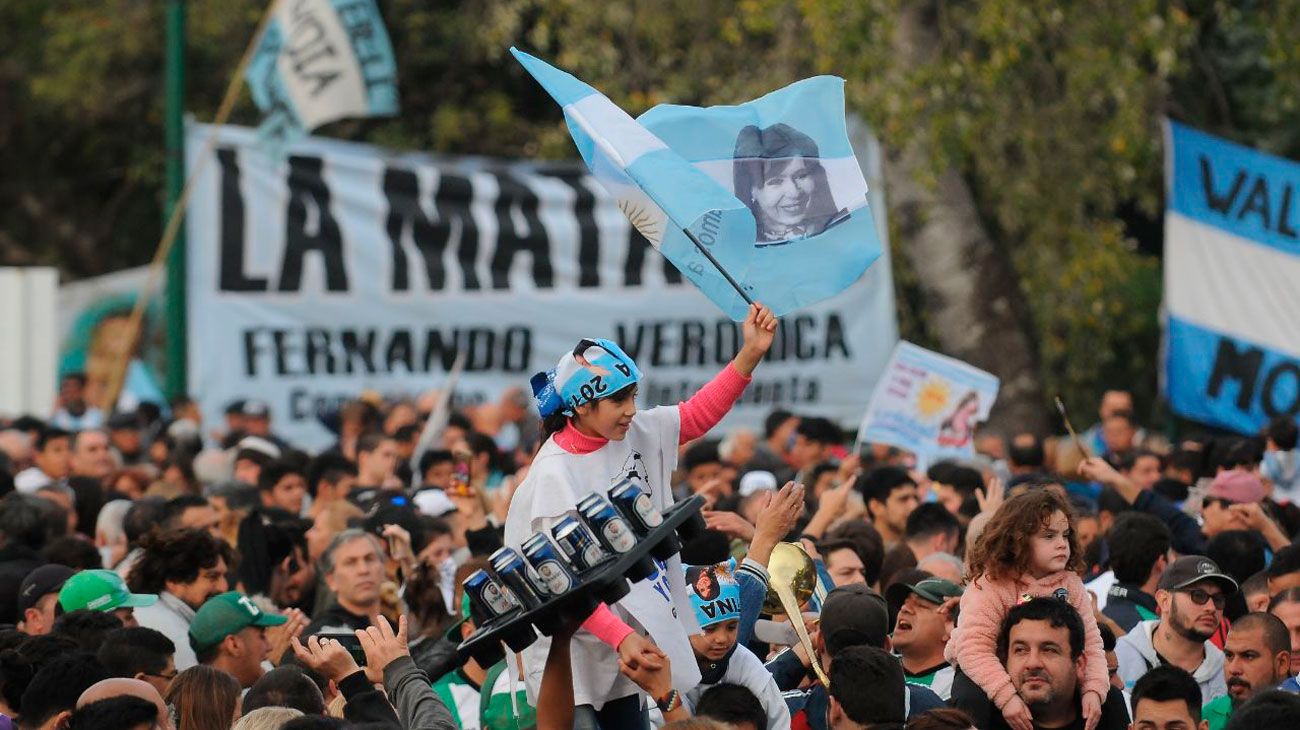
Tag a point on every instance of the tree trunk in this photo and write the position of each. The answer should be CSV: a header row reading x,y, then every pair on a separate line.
x,y
974,305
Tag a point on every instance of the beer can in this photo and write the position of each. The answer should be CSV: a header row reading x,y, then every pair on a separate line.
x,y
635,505
577,543
546,561
490,598
610,527
515,574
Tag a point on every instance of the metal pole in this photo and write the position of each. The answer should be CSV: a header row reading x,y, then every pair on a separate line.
x,y
175,137
718,265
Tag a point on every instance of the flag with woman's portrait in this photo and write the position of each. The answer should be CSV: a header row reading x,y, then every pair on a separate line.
x,y
771,188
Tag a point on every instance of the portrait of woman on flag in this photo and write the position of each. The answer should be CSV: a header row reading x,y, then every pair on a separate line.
x,y
778,174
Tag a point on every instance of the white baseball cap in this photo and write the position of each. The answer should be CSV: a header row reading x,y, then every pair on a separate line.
x,y
757,481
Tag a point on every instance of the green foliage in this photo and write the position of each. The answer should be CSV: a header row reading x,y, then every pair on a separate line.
x,y
1051,110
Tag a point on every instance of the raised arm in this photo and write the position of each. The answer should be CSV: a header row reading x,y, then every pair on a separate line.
x,y
705,409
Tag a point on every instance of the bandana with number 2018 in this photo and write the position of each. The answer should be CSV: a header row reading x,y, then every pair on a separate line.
x,y
595,369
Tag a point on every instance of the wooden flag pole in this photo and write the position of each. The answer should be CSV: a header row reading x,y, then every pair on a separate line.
x,y
170,231
1078,443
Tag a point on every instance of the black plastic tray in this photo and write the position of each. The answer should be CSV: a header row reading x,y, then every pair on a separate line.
x,y
607,582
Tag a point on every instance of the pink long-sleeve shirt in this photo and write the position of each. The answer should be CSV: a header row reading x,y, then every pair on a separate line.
x,y
698,414
985,603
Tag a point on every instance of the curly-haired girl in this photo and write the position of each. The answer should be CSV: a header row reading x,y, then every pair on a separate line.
x,y
1028,550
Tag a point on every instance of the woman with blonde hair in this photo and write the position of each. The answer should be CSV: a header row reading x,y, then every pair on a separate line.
x,y
203,698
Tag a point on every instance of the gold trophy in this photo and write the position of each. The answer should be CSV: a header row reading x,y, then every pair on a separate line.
x,y
792,579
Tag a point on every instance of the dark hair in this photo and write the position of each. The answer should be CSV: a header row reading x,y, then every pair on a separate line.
x,y
856,667
1240,452
880,482
406,434
41,649
706,548
1166,683
175,507
128,651
328,468
819,430
948,718
731,703
1271,708
1110,500
123,712
87,627
25,520
434,527
433,457
1027,454
1240,554
700,454
1290,595
1057,613
1136,542
1108,639
761,152
48,434
391,514
869,544
16,672
278,469
1286,560
1129,459
56,687
1276,636
370,441
141,517
1283,432
285,687
74,552
177,556
930,519
774,420
1170,488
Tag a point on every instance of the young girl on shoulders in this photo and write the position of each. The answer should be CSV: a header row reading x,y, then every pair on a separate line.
x,y
1028,550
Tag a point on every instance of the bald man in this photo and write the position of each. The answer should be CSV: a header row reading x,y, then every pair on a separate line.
x,y
119,686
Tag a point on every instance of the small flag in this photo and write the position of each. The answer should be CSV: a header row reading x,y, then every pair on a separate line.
x,y
770,187
321,60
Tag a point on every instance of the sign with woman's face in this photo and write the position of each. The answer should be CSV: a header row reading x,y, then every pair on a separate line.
x,y
777,172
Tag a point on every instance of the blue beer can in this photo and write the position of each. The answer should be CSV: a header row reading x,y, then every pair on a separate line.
x,y
515,574
577,543
488,596
635,505
546,561
605,521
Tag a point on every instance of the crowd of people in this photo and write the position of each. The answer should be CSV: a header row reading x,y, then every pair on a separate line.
x,y
159,570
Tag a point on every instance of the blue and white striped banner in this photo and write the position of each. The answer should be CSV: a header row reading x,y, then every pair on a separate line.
x,y
1232,282
319,61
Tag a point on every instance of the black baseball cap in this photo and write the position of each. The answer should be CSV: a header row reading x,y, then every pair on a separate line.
x,y
1191,569
854,615
43,581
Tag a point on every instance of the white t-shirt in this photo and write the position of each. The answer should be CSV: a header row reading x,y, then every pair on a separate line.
x,y
659,605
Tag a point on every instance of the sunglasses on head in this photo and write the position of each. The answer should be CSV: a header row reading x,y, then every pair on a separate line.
x,y
1199,596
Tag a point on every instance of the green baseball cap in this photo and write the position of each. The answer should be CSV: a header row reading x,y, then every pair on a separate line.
x,y
453,632
934,590
100,590
226,614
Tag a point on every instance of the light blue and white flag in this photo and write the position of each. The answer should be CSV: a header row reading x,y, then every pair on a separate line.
x,y
1232,282
321,60
928,404
770,187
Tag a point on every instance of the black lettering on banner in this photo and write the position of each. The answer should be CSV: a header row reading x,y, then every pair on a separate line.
x,y
835,339
308,46
283,348
1256,202
402,191
1271,383
1239,365
319,355
1284,215
232,276
519,350
481,347
250,351
307,187
510,242
634,264
455,193
1220,203
692,344
584,206
358,348
399,352
435,347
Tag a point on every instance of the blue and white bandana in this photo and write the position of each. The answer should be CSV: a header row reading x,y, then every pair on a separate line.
x,y
595,369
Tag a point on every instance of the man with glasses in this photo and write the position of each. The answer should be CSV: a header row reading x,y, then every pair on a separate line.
x,y
1191,595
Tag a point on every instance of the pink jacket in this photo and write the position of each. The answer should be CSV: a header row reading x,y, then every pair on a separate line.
x,y
985,603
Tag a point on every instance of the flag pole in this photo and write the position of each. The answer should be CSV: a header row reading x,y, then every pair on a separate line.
x,y
177,214
718,265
